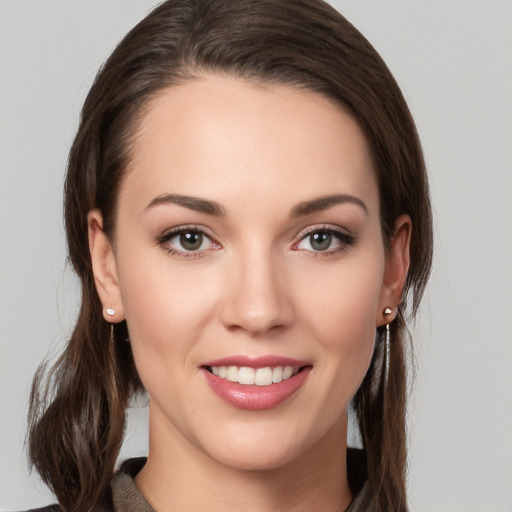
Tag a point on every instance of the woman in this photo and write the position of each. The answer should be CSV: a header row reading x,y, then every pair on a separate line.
x,y
247,209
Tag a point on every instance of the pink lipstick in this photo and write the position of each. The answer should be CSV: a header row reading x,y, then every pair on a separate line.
x,y
255,383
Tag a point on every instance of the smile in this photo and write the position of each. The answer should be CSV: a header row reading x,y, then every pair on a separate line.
x,y
256,383
254,376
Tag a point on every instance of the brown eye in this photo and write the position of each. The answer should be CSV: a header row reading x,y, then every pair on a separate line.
x,y
191,240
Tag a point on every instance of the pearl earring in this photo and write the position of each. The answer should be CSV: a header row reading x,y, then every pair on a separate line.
x,y
111,311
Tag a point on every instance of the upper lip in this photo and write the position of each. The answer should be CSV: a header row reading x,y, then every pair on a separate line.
x,y
257,362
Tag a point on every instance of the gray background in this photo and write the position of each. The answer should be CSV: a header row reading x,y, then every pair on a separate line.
x,y
453,61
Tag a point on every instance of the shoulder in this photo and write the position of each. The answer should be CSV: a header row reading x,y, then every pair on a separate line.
x,y
104,505
123,486
126,495
48,508
101,507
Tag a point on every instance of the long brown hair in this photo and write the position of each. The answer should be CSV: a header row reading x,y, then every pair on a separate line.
x,y
77,408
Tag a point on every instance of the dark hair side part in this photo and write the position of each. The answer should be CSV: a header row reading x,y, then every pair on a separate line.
x,y
77,409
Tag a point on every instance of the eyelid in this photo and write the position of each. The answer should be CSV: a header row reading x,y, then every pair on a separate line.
x,y
345,237
330,228
177,230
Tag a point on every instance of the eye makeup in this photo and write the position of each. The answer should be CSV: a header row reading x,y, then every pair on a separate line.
x,y
187,242
324,241
192,241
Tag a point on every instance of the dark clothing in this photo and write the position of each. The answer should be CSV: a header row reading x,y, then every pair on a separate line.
x,y
124,495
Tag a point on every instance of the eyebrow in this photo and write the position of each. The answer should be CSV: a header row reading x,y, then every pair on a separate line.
x,y
323,203
214,208
193,203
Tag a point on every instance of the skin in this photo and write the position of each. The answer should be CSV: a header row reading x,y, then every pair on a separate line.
x,y
257,286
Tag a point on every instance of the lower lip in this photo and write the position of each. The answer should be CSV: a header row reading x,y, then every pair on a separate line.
x,y
255,398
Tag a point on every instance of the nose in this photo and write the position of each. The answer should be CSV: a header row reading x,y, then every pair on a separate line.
x,y
258,298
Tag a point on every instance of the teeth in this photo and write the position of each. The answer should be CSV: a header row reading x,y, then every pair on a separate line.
x,y
249,376
232,374
246,375
263,377
287,372
277,374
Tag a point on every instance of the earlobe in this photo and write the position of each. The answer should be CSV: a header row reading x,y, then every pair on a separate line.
x,y
397,266
104,268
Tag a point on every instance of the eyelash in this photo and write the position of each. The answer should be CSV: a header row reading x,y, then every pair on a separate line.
x,y
169,235
344,238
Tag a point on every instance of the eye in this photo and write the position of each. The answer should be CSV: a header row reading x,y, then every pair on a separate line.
x,y
319,241
328,240
187,242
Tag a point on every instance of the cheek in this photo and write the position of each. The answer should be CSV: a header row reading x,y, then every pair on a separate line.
x,y
341,310
166,308
164,314
343,302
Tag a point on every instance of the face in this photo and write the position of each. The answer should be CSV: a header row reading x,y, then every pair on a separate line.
x,y
249,265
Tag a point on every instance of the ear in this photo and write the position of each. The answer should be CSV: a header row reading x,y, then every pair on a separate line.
x,y
396,268
104,268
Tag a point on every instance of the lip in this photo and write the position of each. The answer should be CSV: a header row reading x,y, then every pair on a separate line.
x,y
253,397
257,362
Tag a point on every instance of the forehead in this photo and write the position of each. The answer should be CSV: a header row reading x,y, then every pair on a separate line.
x,y
216,136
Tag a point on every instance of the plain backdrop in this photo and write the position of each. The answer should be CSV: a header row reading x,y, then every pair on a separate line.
x,y
453,59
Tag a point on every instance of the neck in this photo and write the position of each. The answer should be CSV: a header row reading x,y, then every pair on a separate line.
x,y
315,480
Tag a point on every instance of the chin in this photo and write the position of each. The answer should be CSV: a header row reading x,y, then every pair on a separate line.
x,y
260,452
258,460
